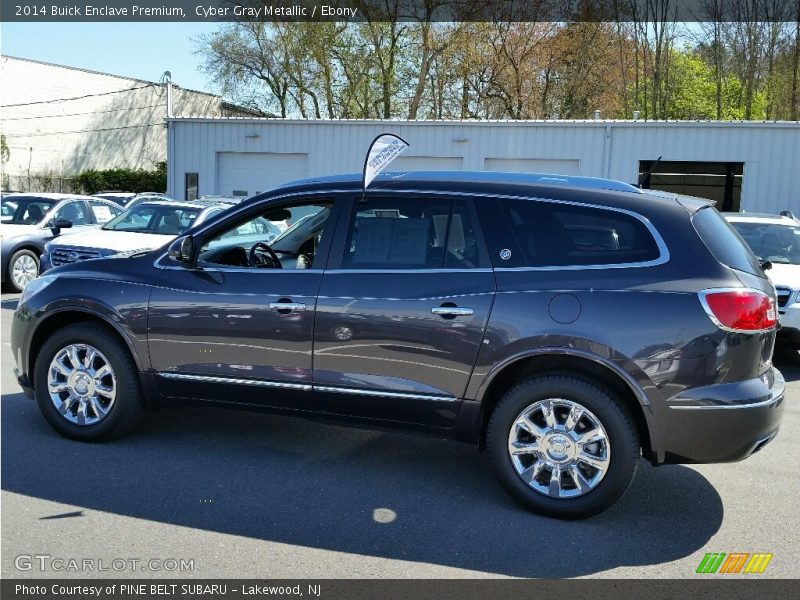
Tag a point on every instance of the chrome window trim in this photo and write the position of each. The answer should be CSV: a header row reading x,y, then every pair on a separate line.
x,y
396,271
305,387
664,254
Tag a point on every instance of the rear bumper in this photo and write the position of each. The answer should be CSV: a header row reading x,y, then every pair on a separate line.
x,y
723,422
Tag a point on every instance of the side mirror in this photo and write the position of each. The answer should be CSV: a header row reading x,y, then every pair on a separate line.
x,y
60,224
182,249
766,265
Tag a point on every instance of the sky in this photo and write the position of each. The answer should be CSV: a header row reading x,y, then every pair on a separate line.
x,y
139,50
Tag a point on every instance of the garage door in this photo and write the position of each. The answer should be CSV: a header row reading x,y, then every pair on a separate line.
x,y
249,173
534,165
426,163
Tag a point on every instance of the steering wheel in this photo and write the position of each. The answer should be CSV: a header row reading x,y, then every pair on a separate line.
x,y
254,261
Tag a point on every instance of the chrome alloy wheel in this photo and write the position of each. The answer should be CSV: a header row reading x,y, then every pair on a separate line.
x,y
559,448
23,271
81,384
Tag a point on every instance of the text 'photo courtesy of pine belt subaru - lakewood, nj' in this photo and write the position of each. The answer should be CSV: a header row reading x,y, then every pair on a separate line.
x,y
567,325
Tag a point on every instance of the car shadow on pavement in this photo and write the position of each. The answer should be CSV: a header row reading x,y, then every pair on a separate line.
x,y
389,495
787,361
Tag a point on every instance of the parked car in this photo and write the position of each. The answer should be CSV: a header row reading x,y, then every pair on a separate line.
x,y
147,197
776,239
35,218
547,352
144,226
7,208
127,199
120,197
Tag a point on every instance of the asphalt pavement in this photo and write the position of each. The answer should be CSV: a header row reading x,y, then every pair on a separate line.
x,y
222,493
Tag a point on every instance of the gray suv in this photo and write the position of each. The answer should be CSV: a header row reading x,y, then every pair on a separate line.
x,y
569,326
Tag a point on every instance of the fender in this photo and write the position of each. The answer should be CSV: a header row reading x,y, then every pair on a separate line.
x,y
105,313
634,385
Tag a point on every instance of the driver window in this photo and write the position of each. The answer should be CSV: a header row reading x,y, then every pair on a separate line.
x,y
282,237
74,212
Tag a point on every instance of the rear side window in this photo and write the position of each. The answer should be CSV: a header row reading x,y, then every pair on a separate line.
x,y
103,212
411,233
535,233
725,244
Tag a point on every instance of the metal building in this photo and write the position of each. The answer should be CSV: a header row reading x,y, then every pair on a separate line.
x,y
60,120
748,166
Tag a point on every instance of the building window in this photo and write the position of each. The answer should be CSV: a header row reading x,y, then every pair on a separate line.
x,y
191,186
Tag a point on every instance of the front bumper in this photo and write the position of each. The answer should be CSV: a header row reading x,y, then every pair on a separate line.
x,y
24,383
789,333
723,422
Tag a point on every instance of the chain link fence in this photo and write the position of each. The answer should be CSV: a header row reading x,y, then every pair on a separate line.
x,y
39,183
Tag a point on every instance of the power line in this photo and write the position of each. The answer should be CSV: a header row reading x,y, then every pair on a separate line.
x,y
78,97
91,112
27,135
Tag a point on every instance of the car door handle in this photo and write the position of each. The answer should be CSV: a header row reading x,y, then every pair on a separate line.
x,y
452,311
287,307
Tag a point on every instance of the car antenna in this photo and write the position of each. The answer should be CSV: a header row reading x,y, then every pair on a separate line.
x,y
646,175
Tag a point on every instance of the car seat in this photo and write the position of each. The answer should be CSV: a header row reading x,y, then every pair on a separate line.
x,y
170,223
35,214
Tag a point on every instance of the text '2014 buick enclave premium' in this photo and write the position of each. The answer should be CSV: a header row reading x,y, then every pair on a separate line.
x,y
567,325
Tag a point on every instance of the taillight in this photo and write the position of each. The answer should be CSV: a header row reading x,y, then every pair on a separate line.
x,y
742,310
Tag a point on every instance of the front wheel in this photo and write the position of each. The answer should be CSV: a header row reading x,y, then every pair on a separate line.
x,y
562,446
23,267
86,383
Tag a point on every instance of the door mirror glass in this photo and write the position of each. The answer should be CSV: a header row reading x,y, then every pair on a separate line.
x,y
181,250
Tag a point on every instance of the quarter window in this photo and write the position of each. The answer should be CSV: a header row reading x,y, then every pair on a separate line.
x,y
408,233
535,233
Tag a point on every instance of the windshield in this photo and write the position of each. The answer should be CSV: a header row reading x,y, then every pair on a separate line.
x,y
150,218
779,244
25,210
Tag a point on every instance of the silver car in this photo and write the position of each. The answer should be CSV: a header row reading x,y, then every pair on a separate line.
x,y
31,219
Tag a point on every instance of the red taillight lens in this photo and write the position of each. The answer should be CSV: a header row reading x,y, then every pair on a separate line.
x,y
740,310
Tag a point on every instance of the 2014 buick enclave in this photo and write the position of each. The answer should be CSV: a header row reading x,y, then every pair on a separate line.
x,y
568,325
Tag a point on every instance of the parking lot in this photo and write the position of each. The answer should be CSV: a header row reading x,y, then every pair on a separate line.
x,y
252,495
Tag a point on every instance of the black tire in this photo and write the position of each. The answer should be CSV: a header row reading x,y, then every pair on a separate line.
x,y
620,428
128,405
14,258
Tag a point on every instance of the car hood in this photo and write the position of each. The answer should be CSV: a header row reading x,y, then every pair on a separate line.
x,y
8,231
785,275
118,241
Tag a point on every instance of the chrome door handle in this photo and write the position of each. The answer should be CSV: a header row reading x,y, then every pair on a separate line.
x,y
287,306
452,311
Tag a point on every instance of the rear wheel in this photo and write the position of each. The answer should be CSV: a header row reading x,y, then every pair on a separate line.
x,y
22,269
562,446
86,383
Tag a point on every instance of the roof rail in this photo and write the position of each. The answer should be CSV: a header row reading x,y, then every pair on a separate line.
x,y
589,182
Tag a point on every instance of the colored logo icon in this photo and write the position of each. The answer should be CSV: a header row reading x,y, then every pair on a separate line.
x,y
735,562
